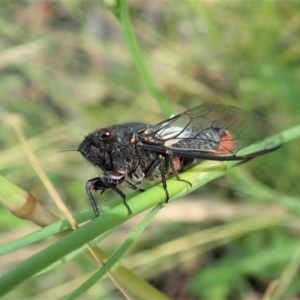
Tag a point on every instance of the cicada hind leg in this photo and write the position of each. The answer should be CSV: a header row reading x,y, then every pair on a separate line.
x,y
167,164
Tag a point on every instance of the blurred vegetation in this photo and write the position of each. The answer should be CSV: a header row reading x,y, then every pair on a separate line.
x,y
66,70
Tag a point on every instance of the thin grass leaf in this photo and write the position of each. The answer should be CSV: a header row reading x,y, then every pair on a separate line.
x,y
147,290
120,10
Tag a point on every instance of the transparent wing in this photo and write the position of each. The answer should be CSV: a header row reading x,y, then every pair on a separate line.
x,y
216,132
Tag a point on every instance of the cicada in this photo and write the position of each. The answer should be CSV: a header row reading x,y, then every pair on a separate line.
x,y
131,153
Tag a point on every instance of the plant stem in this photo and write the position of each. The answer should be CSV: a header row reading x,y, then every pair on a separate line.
x,y
120,10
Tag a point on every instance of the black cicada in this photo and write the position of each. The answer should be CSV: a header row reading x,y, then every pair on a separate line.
x,y
132,152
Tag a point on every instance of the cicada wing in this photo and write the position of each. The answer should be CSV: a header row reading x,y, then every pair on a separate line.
x,y
216,132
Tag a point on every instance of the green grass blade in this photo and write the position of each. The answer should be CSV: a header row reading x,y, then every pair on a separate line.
x,y
144,289
120,9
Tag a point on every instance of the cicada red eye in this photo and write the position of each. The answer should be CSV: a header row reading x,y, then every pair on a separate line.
x,y
105,134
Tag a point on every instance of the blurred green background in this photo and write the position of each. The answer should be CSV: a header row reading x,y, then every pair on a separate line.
x,y
66,70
